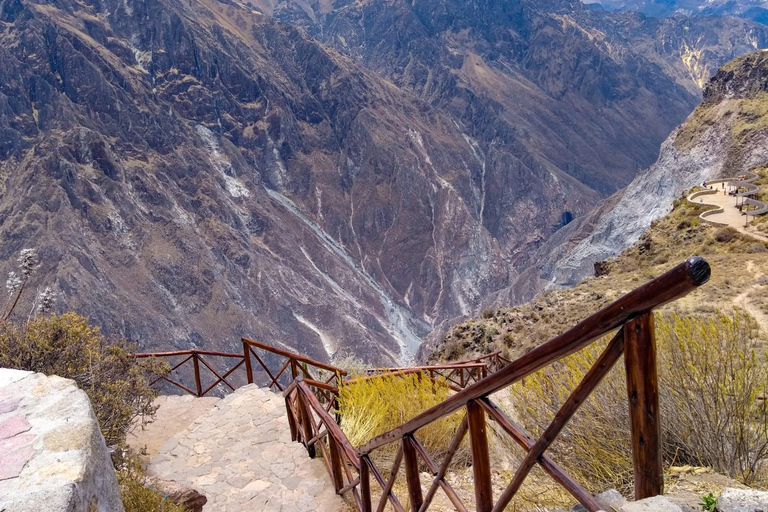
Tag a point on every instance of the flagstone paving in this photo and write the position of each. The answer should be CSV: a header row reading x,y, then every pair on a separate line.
x,y
240,455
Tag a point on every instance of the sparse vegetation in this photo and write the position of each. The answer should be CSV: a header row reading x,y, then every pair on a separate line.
x,y
371,406
67,346
711,374
708,502
138,495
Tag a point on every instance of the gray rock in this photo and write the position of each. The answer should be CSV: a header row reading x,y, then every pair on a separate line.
x,y
611,500
50,434
181,494
654,504
742,500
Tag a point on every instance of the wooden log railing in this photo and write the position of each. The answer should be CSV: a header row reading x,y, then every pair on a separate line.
x,y
201,363
313,425
197,365
458,375
631,317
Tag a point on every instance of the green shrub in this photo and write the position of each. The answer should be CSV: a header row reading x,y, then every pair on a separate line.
x,y
67,346
711,375
725,235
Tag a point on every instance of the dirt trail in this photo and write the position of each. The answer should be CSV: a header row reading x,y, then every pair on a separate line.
x,y
743,301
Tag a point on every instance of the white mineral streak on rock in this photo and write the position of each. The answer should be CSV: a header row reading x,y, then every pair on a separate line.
x,y
401,322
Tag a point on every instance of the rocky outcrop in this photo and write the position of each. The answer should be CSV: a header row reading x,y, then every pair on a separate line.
x,y
53,451
742,500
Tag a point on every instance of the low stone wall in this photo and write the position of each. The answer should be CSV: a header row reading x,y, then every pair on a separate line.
x,y
52,453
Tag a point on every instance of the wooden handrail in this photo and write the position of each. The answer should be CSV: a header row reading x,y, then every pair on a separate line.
x,y
446,366
329,421
188,352
294,356
671,285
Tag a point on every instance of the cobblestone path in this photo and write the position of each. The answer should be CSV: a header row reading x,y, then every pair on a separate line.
x,y
240,455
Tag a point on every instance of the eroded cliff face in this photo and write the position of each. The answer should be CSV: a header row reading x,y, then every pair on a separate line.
x,y
726,135
192,172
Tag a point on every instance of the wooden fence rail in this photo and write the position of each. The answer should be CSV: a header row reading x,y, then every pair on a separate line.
x,y
631,317
196,358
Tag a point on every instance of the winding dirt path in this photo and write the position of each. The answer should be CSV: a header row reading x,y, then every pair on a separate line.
x,y
743,301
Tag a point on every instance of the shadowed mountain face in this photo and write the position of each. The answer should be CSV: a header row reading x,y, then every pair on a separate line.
x,y
347,177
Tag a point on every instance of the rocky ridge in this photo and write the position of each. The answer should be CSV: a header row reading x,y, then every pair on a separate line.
x,y
725,135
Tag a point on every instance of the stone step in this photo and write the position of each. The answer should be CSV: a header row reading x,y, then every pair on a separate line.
x,y
239,453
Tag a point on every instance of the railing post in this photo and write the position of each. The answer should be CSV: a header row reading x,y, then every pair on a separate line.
x,y
247,358
338,479
412,474
643,394
198,386
291,419
365,485
294,371
306,423
481,462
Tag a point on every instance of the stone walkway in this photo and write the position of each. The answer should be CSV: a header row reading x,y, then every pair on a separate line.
x,y
730,215
240,455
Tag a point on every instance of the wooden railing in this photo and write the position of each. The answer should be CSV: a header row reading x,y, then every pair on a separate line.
x,y
313,425
632,315
198,359
194,364
457,375
323,377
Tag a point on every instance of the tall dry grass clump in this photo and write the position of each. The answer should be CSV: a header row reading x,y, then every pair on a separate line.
x,y
370,406
712,377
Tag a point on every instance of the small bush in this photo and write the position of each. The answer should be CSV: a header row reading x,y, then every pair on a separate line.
x,y
138,496
488,313
710,374
372,406
724,235
67,346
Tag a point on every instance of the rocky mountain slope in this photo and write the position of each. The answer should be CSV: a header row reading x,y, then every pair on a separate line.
x,y
644,229
191,172
756,10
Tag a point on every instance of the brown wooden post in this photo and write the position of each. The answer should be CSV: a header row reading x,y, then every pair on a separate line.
x,y
336,476
306,424
198,386
643,393
412,474
365,485
294,371
481,462
247,358
291,419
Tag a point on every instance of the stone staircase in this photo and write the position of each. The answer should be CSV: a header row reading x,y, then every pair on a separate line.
x,y
238,452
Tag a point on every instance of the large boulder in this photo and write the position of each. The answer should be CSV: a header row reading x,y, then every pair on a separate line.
x,y
742,500
53,454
